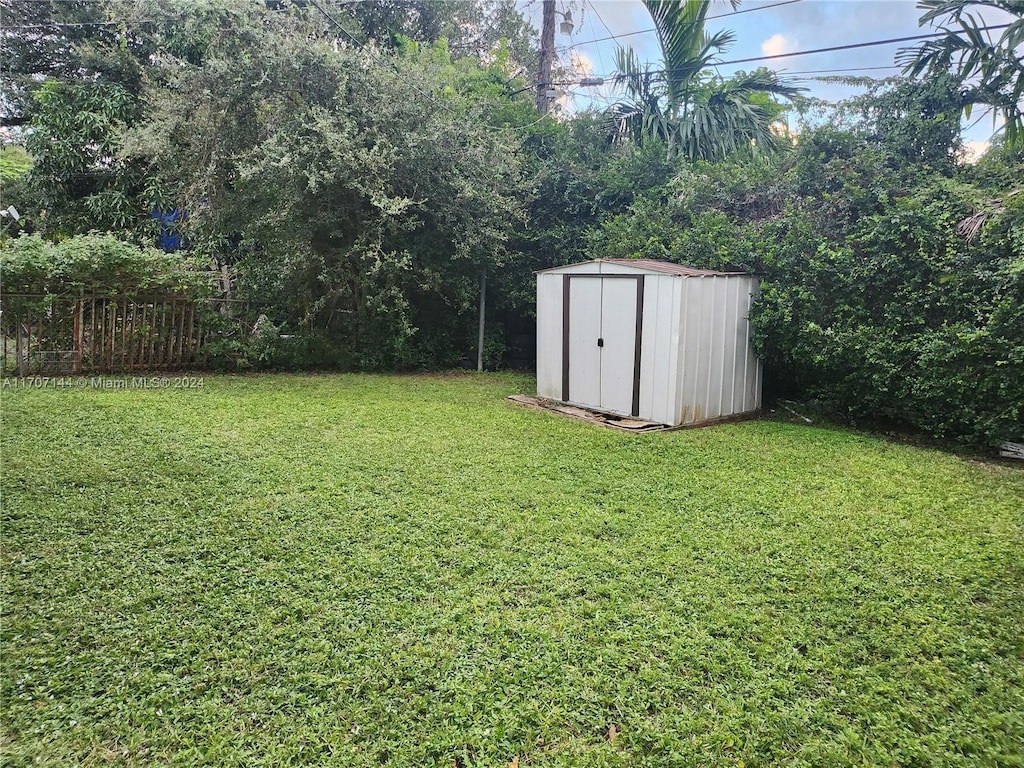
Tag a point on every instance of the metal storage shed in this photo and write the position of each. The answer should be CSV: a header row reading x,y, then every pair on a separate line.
x,y
648,339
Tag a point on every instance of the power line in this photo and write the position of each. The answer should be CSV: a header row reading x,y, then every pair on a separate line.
x,y
751,10
835,71
851,46
652,29
608,100
599,18
847,47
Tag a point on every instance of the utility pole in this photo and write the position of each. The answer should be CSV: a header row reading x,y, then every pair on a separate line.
x,y
480,329
547,55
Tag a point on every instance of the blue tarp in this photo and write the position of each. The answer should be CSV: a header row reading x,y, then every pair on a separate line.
x,y
169,239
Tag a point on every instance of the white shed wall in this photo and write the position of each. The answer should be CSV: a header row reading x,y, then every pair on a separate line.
x,y
718,372
549,336
660,347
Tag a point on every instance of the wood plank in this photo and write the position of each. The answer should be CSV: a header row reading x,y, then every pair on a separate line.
x,y
122,335
158,335
112,330
130,340
175,339
76,344
151,336
28,340
182,309
1012,451
94,324
17,346
191,332
143,337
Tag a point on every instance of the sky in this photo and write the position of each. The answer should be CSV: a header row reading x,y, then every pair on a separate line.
x,y
798,25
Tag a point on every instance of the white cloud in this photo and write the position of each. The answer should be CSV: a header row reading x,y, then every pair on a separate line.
x,y
778,44
581,63
974,150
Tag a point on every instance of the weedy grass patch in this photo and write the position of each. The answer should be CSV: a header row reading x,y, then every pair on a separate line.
x,y
370,570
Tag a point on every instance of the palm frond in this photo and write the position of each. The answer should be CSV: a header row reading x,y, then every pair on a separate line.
x,y
702,118
989,68
686,49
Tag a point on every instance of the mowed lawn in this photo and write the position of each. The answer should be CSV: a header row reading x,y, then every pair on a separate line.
x,y
411,571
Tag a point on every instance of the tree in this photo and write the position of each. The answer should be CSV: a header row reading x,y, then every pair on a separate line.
x,y
359,191
78,71
42,40
988,69
77,182
917,122
698,115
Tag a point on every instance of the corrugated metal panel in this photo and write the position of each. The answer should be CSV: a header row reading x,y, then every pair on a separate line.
x,y
647,265
752,360
549,336
736,358
660,349
738,338
718,374
691,352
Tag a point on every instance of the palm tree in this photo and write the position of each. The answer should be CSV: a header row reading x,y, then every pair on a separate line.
x,y
990,70
700,115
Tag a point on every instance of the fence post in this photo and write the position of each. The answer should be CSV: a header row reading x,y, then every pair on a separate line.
x,y
28,341
17,346
76,343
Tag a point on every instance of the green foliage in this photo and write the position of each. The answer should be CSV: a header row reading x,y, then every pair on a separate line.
x,y
411,571
365,198
15,162
886,308
692,219
66,41
99,264
77,182
697,115
879,299
987,67
918,123
469,27
306,350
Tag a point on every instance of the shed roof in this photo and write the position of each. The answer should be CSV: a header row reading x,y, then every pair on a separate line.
x,y
654,265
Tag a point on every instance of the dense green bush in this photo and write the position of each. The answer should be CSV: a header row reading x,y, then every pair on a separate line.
x,y
270,350
891,292
95,263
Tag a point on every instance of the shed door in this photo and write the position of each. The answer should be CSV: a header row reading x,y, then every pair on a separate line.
x,y
602,339
583,332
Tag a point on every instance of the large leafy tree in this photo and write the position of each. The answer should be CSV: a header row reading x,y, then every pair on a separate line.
x,y
697,114
79,71
987,65
360,192
54,39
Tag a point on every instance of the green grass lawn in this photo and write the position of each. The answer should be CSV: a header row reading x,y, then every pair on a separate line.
x,y
412,571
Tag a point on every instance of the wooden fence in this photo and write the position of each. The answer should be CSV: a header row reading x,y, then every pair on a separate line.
x,y
96,334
